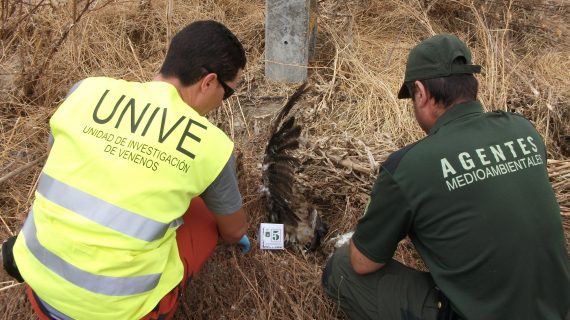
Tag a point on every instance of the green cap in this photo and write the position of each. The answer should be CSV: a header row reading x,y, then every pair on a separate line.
x,y
432,58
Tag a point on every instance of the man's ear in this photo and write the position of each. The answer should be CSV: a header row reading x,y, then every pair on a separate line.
x,y
208,81
421,94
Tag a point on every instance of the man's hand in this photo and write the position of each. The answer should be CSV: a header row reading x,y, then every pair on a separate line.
x,y
244,244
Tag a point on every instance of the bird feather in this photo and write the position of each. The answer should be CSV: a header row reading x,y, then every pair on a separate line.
x,y
285,202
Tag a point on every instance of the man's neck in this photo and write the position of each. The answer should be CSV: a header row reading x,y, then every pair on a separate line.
x,y
186,93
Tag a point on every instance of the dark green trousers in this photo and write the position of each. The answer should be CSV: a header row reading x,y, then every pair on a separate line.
x,y
393,292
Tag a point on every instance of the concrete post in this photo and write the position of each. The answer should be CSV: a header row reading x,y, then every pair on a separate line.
x,y
290,33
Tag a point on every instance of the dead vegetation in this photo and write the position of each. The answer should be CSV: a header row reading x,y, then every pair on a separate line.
x,y
351,118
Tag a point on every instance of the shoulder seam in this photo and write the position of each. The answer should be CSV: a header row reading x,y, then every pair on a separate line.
x,y
393,161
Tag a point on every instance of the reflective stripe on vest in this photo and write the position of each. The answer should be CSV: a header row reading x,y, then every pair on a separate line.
x,y
102,212
112,286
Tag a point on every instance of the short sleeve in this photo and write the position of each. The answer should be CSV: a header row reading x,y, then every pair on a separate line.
x,y
386,221
223,196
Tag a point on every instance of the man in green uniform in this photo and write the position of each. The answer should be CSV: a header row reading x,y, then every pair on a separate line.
x,y
474,198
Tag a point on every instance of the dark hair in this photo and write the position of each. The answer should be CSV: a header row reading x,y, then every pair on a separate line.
x,y
448,90
202,46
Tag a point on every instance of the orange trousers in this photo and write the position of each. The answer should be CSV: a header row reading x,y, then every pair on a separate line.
x,y
196,238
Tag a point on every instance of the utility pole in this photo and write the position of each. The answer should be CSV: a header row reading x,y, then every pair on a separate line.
x,y
290,37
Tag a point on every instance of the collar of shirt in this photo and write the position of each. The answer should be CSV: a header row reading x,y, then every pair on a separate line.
x,y
455,112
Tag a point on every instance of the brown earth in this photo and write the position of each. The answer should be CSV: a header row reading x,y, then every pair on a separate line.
x,y
351,118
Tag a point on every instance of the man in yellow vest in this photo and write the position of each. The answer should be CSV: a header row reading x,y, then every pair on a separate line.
x,y
136,189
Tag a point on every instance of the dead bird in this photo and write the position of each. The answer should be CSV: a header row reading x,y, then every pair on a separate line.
x,y
285,199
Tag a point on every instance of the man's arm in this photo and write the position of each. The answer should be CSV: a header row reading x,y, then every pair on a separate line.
x,y
224,199
360,263
386,221
232,226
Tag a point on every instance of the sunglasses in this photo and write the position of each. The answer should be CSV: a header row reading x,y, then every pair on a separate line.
x,y
228,91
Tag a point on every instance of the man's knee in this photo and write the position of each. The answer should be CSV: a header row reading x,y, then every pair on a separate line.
x,y
382,294
337,267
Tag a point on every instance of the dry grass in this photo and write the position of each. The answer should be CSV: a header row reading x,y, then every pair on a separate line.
x,y
352,119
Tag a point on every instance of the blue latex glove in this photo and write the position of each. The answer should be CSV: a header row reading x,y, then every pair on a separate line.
x,y
244,244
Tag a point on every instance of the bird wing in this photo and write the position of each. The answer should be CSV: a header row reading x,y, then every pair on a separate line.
x,y
280,166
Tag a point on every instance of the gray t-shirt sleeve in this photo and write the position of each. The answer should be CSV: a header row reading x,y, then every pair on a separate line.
x,y
222,196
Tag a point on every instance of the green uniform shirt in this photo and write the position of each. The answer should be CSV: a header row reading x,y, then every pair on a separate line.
x,y
475,199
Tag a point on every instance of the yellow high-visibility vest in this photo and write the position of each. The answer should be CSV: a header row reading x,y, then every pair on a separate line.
x,y
100,240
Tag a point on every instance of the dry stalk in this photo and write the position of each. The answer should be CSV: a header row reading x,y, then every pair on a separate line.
x,y
351,119
21,169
